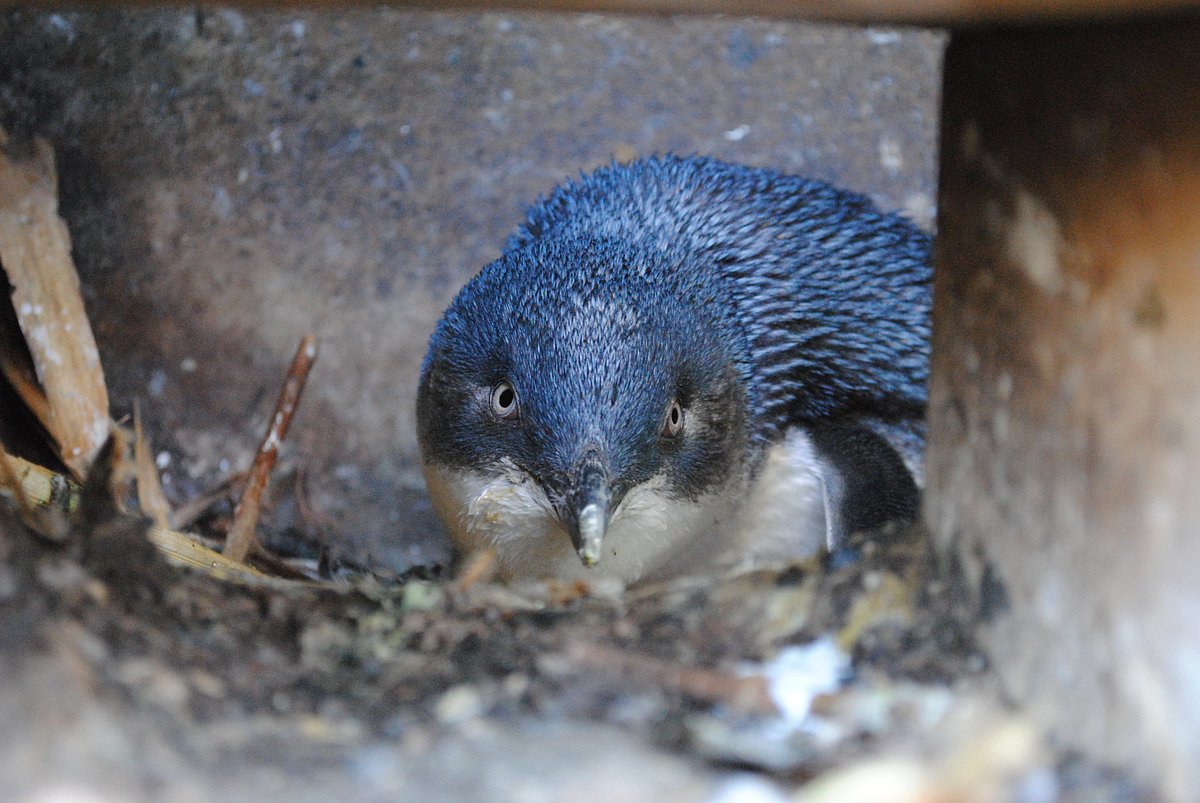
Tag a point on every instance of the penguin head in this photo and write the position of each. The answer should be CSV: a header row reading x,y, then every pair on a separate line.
x,y
578,372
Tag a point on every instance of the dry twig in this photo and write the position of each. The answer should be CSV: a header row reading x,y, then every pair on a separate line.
x,y
9,483
240,540
44,500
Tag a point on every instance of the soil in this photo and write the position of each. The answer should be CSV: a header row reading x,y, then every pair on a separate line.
x,y
134,680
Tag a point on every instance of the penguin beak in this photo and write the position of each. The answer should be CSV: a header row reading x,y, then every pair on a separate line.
x,y
587,507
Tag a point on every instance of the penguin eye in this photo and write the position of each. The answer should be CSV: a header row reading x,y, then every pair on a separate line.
x,y
504,402
673,422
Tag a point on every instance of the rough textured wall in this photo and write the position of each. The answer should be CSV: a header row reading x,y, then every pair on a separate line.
x,y
1064,446
233,180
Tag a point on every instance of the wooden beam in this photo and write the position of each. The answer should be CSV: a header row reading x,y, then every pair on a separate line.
x,y
913,12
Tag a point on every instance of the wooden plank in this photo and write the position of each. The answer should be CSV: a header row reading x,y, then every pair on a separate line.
x,y
921,12
1065,395
917,12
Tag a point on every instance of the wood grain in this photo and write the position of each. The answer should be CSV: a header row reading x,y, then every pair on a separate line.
x,y
35,251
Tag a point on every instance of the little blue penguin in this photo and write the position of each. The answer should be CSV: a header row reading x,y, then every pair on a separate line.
x,y
680,365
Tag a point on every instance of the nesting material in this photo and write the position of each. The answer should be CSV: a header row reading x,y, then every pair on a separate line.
x,y
44,499
149,488
56,372
35,250
240,541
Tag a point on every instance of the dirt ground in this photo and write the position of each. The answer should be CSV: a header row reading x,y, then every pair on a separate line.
x,y
132,680
232,180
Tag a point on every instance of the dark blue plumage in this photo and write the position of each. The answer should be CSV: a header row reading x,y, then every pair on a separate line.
x,y
757,303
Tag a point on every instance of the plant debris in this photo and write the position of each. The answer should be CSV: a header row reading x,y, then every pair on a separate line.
x,y
240,540
358,688
69,398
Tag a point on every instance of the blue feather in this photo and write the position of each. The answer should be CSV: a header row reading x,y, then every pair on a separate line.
x,y
820,300
760,302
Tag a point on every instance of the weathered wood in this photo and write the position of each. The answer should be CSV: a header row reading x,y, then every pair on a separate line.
x,y
35,252
922,12
926,12
1065,401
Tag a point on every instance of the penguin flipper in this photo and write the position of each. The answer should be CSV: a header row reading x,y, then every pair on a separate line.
x,y
865,480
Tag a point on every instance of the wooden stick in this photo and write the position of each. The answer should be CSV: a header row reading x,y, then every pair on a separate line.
x,y
13,488
245,516
35,249
182,549
44,499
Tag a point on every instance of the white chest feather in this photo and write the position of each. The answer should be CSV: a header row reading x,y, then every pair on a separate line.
x,y
779,516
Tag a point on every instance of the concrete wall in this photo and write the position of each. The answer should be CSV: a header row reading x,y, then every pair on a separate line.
x,y
233,180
